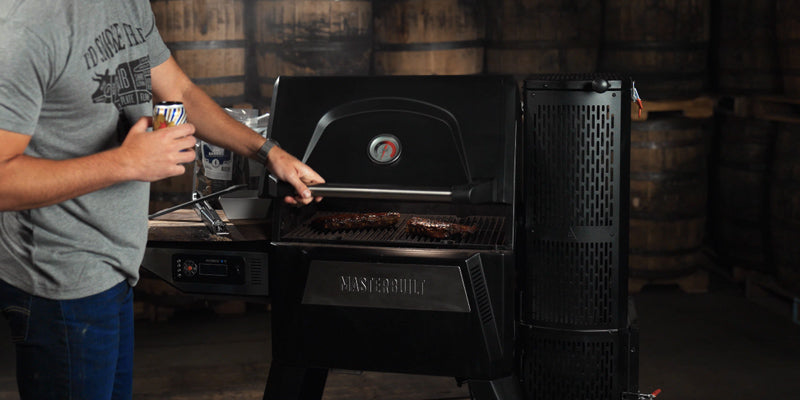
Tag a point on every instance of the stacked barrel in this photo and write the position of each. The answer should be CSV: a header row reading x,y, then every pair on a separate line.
x,y
208,40
664,47
755,220
785,173
428,37
310,37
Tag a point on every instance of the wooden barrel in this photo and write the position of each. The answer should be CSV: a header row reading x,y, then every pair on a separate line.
x,y
788,27
739,195
785,205
311,37
207,38
543,37
428,37
747,53
668,187
661,44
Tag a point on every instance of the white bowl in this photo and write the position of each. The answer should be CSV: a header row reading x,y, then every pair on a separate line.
x,y
244,204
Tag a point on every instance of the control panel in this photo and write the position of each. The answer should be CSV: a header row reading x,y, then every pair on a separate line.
x,y
208,268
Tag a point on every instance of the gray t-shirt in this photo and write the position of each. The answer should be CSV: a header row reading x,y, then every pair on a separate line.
x,y
75,76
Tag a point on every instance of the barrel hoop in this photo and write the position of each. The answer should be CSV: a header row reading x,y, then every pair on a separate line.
x,y
267,79
317,46
665,253
654,145
452,45
780,222
219,79
665,176
659,45
668,216
661,274
786,183
538,44
665,77
229,100
667,124
737,221
743,166
751,70
206,45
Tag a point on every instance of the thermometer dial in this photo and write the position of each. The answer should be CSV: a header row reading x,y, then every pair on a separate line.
x,y
384,149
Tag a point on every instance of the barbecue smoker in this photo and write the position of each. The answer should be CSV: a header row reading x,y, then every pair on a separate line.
x,y
386,299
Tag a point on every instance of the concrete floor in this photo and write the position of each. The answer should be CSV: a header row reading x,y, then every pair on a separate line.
x,y
717,345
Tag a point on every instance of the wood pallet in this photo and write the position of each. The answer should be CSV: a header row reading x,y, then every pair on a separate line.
x,y
770,108
765,290
700,107
696,282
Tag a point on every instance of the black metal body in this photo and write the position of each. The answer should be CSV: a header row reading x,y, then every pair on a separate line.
x,y
577,338
371,308
384,299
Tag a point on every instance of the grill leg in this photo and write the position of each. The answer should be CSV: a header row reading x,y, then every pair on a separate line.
x,y
295,383
507,388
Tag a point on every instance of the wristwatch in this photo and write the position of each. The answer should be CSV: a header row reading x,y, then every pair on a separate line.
x,y
261,154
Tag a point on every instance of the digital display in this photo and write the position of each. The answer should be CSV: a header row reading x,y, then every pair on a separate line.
x,y
207,269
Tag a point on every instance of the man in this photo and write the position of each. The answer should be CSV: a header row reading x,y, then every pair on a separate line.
x,y
78,81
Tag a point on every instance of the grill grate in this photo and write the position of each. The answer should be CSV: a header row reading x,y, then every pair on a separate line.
x,y
490,233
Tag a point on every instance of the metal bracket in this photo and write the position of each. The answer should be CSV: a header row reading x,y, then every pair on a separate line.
x,y
640,396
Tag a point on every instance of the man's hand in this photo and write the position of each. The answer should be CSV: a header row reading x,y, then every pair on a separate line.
x,y
151,156
288,168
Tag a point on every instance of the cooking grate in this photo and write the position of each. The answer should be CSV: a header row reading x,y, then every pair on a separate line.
x,y
490,233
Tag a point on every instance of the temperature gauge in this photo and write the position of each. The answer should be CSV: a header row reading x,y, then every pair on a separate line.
x,y
384,149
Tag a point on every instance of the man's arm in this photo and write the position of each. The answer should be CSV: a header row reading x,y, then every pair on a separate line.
x,y
28,182
215,126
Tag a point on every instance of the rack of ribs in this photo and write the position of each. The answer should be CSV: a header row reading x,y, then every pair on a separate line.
x,y
337,222
438,229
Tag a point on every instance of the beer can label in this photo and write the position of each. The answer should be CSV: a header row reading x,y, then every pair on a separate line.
x,y
168,113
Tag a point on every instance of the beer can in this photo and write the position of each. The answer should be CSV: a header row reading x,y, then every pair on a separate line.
x,y
168,113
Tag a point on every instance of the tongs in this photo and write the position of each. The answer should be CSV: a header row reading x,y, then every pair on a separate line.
x,y
209,216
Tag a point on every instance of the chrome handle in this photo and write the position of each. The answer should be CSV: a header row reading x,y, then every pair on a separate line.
x,y
382,193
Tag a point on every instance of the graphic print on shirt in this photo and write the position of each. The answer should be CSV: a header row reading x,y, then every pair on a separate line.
x,y
129,83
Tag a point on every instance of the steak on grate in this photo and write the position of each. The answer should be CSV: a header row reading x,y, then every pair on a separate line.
x,y
438,229
337,222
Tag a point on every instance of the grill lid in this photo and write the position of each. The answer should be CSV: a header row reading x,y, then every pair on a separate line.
x,y
434,133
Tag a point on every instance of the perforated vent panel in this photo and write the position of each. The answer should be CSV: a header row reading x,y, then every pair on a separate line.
x,y
573,178
256,271
574,285
576,164
574,295
569,367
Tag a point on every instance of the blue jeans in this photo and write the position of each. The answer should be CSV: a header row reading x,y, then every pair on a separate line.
x,y
72,349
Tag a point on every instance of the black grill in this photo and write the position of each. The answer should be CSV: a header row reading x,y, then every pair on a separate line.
x,y
531,306
386,299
